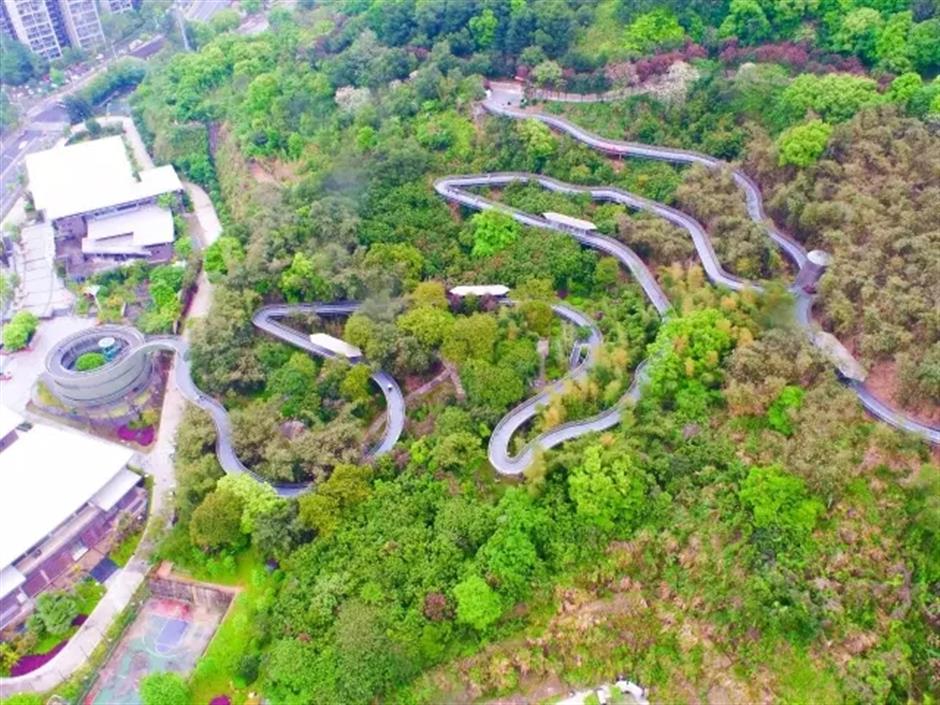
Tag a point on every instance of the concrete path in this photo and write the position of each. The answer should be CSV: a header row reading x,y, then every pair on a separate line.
x,y
205,213
40,290
120,588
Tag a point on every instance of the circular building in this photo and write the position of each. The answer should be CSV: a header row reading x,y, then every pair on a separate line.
x,y
125,369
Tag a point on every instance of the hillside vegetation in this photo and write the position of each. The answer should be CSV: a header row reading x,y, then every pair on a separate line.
x,y
745,534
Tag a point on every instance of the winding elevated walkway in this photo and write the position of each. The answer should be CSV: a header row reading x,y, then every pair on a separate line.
x,y
455,189
138,350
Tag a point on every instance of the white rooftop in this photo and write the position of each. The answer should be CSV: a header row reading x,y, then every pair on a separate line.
x,y
10,579
88,176
335,345
148,225
47,475
117,487
480,290
569,221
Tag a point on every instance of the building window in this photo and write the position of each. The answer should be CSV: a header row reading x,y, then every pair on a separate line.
x,y
79,549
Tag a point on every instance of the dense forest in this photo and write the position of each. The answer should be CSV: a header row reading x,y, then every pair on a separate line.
x,y
746,533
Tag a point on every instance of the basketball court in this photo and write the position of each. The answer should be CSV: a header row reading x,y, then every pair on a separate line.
x,y
167,635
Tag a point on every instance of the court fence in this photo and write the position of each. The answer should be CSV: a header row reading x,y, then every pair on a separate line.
x,y
215,597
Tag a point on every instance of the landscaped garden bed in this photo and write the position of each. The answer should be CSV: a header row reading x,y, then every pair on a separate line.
x,y
57,618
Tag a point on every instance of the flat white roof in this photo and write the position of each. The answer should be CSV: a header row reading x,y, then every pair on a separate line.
x,y
569,221
83,177
480,290
117,487
340,347
46,476
9,420
149,225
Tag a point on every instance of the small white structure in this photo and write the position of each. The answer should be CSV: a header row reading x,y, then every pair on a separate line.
x,y
336,346
129,232
569,222
839,355
497,290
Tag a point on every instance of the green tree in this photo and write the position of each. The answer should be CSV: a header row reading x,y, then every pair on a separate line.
x,y
221,256
471,337
780,412
905,87
781,509
493,387
89,361
483,28
539,141
477,603
892,46
301,282
659,29
54,613
428,324
608,489
493,231
347,487
163,688
355,385
747,21
294,384
685,361
216,523
859,31
19,64
258,499
834,97
802,145
606,273
924,45
548,74
429,293
225,20
19,330
538,316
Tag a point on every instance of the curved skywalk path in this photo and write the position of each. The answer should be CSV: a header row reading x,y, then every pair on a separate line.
x,y
267,320
454,189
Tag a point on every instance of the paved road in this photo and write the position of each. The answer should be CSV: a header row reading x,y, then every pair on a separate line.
x,y
203,10
505,103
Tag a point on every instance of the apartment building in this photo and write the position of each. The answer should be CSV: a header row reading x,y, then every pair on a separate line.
x,y
48,27
116,7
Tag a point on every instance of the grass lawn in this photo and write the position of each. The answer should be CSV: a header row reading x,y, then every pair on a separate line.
x,y
218,669
122,553
47,642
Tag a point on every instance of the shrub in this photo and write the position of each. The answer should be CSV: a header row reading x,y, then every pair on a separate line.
x,y
163,689
248,668
54,613
802,145
19,330
477,604
90,361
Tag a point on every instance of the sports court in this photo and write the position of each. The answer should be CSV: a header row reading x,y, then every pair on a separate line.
x,y
168,635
